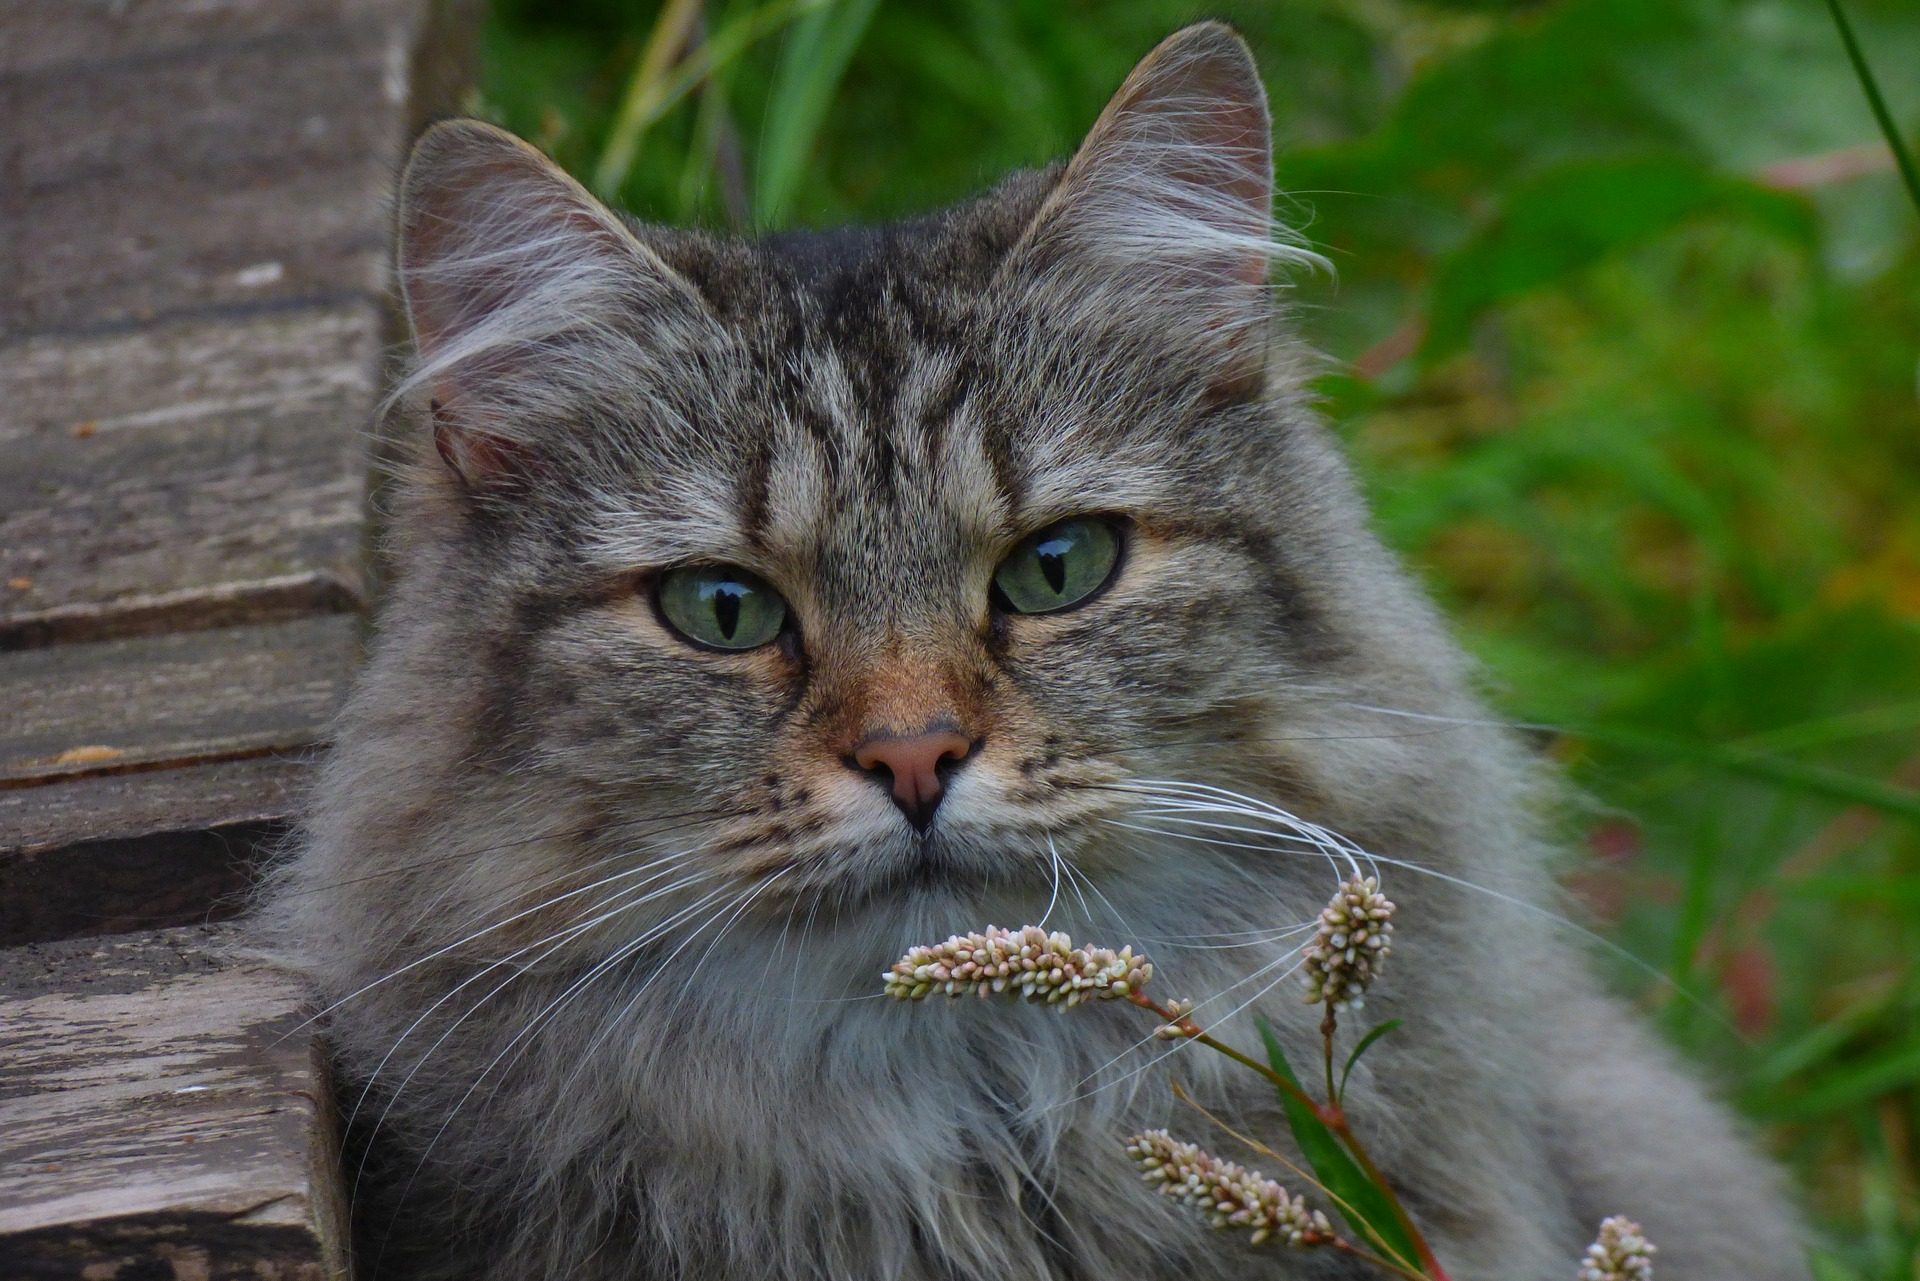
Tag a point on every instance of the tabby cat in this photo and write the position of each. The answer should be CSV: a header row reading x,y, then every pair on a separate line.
x,y
766,606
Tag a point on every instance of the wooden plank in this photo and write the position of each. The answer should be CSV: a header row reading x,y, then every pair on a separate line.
x,y
207,175
160,1116
196,474
86,255
150,701
117,853
95,36
219,108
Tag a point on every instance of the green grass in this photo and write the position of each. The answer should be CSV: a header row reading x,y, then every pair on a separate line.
x,y
1624,338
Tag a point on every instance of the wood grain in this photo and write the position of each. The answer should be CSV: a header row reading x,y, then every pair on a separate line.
x,y
120,853
193,229
190,474
192,175
150,701
97,36
160,1115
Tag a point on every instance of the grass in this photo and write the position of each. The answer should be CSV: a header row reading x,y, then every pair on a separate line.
x,y
1623,342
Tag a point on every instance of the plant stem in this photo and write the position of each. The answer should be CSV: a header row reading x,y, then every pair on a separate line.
x,y
672,32
1338,1124
1193,1032
1881,115
1379,1261
1328,1026
1330,1113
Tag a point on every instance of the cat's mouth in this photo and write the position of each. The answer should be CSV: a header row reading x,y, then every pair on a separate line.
x,y
960,860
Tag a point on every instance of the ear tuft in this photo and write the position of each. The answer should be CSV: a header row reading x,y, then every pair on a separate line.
x,y
1180,163
511,273
1170,196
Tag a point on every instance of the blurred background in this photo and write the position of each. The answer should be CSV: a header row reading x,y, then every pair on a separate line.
x,y
1624,335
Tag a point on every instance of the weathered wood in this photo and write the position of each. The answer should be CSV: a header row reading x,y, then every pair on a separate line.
x,y
190,368
192,235
191,474
161,1115
85,255
152,701
126,852
96,36
229,172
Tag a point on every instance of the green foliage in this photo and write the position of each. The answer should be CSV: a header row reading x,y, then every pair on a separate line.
x,y
1360,1047
1623,341
1359,1201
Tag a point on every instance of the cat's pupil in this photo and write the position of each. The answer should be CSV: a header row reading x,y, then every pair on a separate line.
x,y
1053,562
726,608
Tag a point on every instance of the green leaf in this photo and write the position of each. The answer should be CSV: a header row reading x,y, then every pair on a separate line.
x,y
815,58
1375,1033
1361,1203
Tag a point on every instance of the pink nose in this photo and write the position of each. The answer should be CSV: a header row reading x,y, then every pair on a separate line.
x,y
912,765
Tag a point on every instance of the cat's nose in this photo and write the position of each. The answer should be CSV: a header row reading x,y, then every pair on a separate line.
x,y
914,766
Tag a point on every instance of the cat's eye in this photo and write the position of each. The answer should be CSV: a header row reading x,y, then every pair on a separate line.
x,y
1060,566
721,606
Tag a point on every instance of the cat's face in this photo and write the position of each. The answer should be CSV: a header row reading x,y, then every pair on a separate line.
x,y
871,562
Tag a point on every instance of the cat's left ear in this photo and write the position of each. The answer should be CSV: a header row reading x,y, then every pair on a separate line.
x,y
1167,205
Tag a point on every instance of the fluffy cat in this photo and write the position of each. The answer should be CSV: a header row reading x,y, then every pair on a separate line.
x,y
773,605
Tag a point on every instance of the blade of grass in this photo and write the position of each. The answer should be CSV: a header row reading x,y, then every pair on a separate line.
x,y
649,97
1882,116
1895,1068
672,32
812,64
1816,780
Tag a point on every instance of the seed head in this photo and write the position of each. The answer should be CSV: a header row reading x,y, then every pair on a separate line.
x,y
1027,962
1354,938
1620,1254
1230,1195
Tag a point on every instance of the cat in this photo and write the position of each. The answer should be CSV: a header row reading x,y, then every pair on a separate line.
x,y
765,607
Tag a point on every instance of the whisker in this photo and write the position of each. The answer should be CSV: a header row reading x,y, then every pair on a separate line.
x,y
652,834
1053,856
731,921
1282,960
561,936
735,903
1205,797
1660,976
714,815
579,984
1472,722
551,944
461,942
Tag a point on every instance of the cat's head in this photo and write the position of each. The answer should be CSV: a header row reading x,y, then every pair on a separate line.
x,y
874,562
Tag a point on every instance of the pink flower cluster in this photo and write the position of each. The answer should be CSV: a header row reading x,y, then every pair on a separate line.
x,y
1028,962
1231,1196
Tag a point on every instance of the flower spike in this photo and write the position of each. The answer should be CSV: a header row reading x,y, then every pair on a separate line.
x,y
1028,962
1620,1254
1354,939
1231,1196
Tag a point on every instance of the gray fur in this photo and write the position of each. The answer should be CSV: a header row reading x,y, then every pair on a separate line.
x,y
684,1071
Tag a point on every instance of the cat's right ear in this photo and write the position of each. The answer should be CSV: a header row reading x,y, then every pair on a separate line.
x,y
516,282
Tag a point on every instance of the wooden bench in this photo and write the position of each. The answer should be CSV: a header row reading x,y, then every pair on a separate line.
x,y
193,328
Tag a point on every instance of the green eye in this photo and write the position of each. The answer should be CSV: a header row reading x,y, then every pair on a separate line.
x,y
1060,566
721,606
